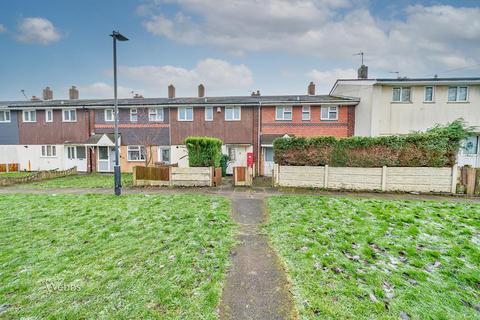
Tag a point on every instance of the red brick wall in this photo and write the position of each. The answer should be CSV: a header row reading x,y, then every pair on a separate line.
x,y
313,127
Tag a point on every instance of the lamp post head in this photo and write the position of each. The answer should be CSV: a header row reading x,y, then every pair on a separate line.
x,y
118,36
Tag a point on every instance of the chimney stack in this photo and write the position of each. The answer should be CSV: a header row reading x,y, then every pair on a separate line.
x,y
137,96
363,72
201,90
171,91
47,94
35,98
73,93
255,94
311,89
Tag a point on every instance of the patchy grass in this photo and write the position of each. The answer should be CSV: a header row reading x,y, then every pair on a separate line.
x,y
93,180
99,256
15,174
376,259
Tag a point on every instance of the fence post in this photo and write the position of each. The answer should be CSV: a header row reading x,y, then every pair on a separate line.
x,y
134,175
454,178
325,176
384,178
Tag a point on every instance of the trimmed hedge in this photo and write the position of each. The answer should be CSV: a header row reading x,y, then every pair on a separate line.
x,y
437,147
204,151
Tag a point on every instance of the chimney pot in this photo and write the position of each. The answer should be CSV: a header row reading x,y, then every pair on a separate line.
x,y
201,91
35,98
137,96
73,93
363,72
47,94
171,91
311,89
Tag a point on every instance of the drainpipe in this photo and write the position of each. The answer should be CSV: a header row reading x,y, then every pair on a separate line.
x,y
258,135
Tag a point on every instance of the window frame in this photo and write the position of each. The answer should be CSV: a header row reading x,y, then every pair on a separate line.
x,y
306,112
69,111
185,109
48,111
210,109
401,95
337,111
139,149
283,113
233,108
160,154
105,112
5,112
425,94
74,153
457,94
30,112
156,114
45,148
133,113
477,146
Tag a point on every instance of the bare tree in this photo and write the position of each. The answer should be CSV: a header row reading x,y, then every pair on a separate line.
x,y
147,138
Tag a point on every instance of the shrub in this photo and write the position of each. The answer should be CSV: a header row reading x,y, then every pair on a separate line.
x,y
204,151
437,147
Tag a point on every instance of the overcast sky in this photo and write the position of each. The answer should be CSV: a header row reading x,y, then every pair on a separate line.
x,y
231,46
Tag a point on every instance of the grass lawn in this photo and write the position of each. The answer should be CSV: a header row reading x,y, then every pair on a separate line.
x,y
376,259
15,174
107,257
93,180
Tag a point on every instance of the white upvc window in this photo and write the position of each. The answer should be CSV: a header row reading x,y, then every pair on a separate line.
x,y
470,146
109,115
48,115
233,113
283,113
164,154
208,113
133,115
185,114
29,116
401,94
329,113
155,114
71,152
5,116
429,94
305,113
136,153
49,151
69,115
458,94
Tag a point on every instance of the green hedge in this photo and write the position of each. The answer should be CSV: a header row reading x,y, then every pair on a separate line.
x,y
204,151
437,147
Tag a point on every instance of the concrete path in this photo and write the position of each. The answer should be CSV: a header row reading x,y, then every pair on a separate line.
x,y
256,286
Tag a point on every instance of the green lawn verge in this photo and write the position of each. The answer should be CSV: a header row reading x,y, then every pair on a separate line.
x,y
93,180
377,259
107,257
15,174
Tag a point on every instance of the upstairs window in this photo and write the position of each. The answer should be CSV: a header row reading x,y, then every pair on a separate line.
x,y
429,93
208,113
329,113
155,114
401,94
69,115
133,115
306,113
136,153
185,114
232,113
457,94
29,116
109,115
49,151
5,116
49,115
283,113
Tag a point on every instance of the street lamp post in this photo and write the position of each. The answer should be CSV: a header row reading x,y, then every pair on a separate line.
x,y
116,169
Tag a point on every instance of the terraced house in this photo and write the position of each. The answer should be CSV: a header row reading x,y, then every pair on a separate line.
x,y
50,134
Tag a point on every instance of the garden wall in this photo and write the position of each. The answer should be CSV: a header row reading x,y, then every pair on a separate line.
x,y
411,179
37,176
192,176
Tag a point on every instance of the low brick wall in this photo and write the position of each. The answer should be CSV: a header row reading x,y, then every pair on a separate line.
x,y
406,179
37,176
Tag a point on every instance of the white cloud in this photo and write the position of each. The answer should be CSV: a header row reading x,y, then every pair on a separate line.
x,y
325,79
218,76
101,90
2,28
424,38
37,30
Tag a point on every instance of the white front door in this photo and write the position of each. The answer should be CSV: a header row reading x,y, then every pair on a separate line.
x,y
104,161
76,156
470,152
237,157
267,161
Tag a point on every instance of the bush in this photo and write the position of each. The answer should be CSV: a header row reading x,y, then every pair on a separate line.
x,y
437,147
204,151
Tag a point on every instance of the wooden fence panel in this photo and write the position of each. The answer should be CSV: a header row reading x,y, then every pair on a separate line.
x,y
153,173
